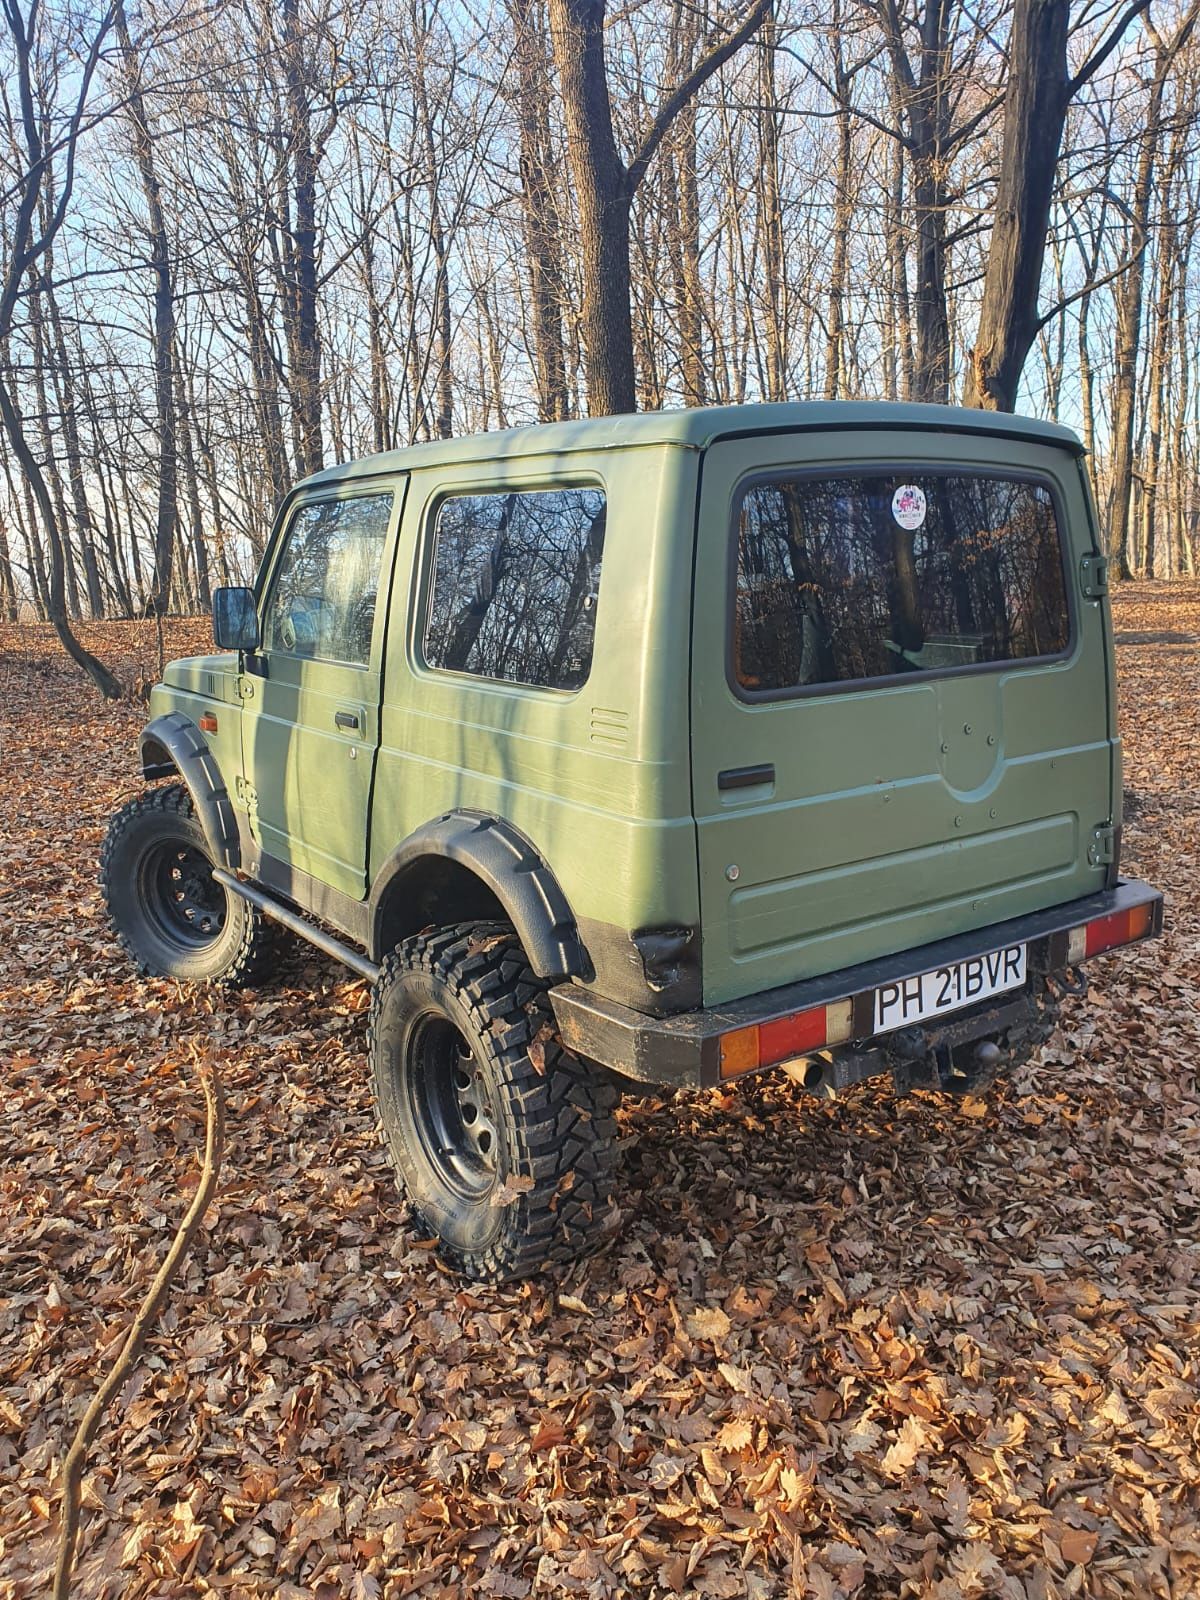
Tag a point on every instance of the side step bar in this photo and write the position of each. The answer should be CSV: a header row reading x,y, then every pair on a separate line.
x,y
298,924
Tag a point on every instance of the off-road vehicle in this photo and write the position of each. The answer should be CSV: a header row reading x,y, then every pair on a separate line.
x,y
660,748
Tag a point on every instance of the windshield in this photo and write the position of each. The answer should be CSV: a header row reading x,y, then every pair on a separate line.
x,y
847,578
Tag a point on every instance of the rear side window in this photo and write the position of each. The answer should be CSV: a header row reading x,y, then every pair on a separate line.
x,y
850,578
514,585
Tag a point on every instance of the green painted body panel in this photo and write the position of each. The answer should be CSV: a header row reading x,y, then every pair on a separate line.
x,y
904,812
695,429
597,778
210,677
872,837
309,779
202,684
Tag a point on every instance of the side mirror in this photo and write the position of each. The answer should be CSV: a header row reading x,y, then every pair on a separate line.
x,y
235,619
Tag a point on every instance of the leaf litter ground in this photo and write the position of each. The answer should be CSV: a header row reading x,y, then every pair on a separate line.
x,y
871,1348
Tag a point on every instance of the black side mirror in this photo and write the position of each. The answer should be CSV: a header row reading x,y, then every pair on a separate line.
x,y
235,619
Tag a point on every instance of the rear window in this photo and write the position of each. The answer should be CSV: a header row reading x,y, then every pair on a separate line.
x,y
841,579
514,585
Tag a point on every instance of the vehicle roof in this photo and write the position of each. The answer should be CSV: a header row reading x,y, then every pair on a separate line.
x,y
695,429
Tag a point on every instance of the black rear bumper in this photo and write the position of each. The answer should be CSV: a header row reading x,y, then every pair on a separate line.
x,y
684,1051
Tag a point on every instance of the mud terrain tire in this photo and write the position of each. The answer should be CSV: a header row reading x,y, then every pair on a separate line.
x,y
171,918
502,1141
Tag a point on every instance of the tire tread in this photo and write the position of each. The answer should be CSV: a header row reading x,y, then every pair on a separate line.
x,y
247,961
563,1114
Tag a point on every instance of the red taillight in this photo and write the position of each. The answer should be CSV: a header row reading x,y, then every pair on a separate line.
x,y
766,1044
1108,933
208,723
1123,927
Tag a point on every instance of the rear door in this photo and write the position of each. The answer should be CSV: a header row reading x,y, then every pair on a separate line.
x,y
899,706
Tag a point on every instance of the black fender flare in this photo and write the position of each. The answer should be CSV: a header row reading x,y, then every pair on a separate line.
x,y
173,743
510,866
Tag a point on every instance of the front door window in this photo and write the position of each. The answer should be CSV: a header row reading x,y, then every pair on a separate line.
x,y
322,603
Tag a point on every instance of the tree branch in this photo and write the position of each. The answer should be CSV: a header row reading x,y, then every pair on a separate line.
x,y
76,1458
688,88
1102,52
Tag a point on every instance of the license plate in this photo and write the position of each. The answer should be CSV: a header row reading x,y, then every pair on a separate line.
x,y
933,994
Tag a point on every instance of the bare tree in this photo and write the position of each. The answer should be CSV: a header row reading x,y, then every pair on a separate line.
x,y
605,184
167,517
1130,295
45,131
1041,87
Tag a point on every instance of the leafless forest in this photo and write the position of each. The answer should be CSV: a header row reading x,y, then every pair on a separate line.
x,y
242,240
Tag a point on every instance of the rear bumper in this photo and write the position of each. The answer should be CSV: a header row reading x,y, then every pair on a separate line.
x,y
685,1051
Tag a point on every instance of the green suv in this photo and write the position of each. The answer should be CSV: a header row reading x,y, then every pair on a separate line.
x,y
657,748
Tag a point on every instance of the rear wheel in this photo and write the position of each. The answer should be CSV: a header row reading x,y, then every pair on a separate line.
x,y
502,1141
171,916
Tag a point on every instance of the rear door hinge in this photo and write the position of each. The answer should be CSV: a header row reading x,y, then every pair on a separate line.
x,y
1102,851
1093,576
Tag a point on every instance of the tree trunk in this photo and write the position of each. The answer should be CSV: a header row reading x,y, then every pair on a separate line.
x,y
602,196
605,186
51,475
770,211
899,298
56,606
85,523
1035,111
301,286
191,483
683,219
834,354
1182,473
444,381
8,588
931,362
1129,333
167,517
543,247
921,96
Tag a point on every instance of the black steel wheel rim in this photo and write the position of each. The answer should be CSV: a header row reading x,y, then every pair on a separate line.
x,y
452,1107
182,899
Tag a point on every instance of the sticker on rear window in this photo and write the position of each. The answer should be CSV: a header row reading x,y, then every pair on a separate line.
x,y
908,506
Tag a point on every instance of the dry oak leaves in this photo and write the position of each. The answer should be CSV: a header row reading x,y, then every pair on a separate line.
x,y
871,1348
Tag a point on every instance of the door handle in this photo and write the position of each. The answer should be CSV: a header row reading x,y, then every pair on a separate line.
x,y
346,719
746,777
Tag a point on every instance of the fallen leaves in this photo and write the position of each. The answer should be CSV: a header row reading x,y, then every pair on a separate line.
x,y
709,1323
511,1190
867,1348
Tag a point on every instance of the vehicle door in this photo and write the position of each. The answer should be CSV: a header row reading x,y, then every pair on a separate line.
x,y
310,725
899,712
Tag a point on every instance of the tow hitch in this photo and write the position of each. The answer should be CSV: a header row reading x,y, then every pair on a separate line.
x,y
966,1055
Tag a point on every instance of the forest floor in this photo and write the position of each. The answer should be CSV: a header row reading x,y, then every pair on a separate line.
x,y
876,1347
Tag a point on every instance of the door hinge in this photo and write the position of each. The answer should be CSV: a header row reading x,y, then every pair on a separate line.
x,y
1093,576
1102,851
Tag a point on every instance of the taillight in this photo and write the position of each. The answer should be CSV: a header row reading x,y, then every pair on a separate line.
x,y
208,723
1107,933
766,1044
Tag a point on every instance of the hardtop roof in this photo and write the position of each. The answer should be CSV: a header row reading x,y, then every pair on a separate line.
x,y
695,428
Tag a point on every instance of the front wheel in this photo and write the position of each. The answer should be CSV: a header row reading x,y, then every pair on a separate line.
x,y
502,1141
173,919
